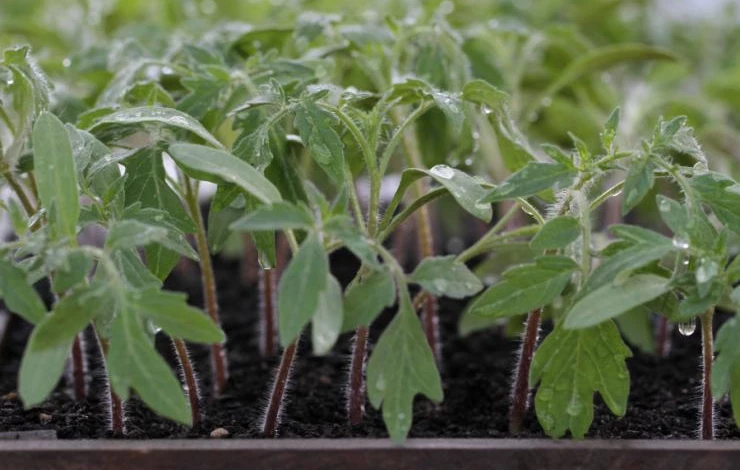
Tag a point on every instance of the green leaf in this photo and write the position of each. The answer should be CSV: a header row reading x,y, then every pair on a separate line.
x,y
343,229
629,259
637,328
301,287
726,370
612,299
276,216
365,299
40,371
465,189
19,296
71,315
610,129
156,116
556,233
171,312
129,234
402,365
526,287
327,321
532,179
639,182
134,363
146,184
315,127
227,206
485,94
56,176
722,194
570,366
72,270
444,276
602,58
221,167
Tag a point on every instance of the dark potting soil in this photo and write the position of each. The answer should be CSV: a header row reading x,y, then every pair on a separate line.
x,y
664,398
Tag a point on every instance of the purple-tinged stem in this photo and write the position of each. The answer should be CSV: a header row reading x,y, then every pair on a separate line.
x,y
250,264
208,278
663,339
267,283
356,392
520,388
271,420
707,411
191,384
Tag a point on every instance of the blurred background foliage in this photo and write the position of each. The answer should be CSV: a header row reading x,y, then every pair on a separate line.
x,y
111,52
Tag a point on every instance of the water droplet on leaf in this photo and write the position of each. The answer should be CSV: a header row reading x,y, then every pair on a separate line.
x,y
443,171
687,328
680,243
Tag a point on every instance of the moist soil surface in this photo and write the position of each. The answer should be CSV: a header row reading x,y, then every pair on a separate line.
x,y
664,398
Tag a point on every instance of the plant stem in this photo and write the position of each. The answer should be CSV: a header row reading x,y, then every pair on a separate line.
x,y
267,283
520,387
277,396
249,263
356,392
218,352
191,384
707,412
78,368
19,191
116,405
423,226
662,339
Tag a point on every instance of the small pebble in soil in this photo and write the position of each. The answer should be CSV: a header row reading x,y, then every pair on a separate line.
x,y
10,396
45,418
219,433
324,379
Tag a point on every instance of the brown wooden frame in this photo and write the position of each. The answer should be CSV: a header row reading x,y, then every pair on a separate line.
x,y
369,454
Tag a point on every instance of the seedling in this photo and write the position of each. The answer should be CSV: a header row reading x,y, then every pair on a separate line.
x,y
642,270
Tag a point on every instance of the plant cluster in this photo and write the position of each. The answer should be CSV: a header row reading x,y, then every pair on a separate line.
x,y
288,122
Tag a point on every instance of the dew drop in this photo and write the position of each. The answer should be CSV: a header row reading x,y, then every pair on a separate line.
x,y
700,168
545,394
680,243
380,383
67,62
485,109
468,161
547,101
443,171
440,285
664,205
9,81
706,271
167,70
546,420
574,408
687,328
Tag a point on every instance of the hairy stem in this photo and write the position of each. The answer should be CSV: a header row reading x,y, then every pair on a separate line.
x,y
271,420
267,282
520,387
707,412
356,392
218,352
191,384
116,405
78,368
